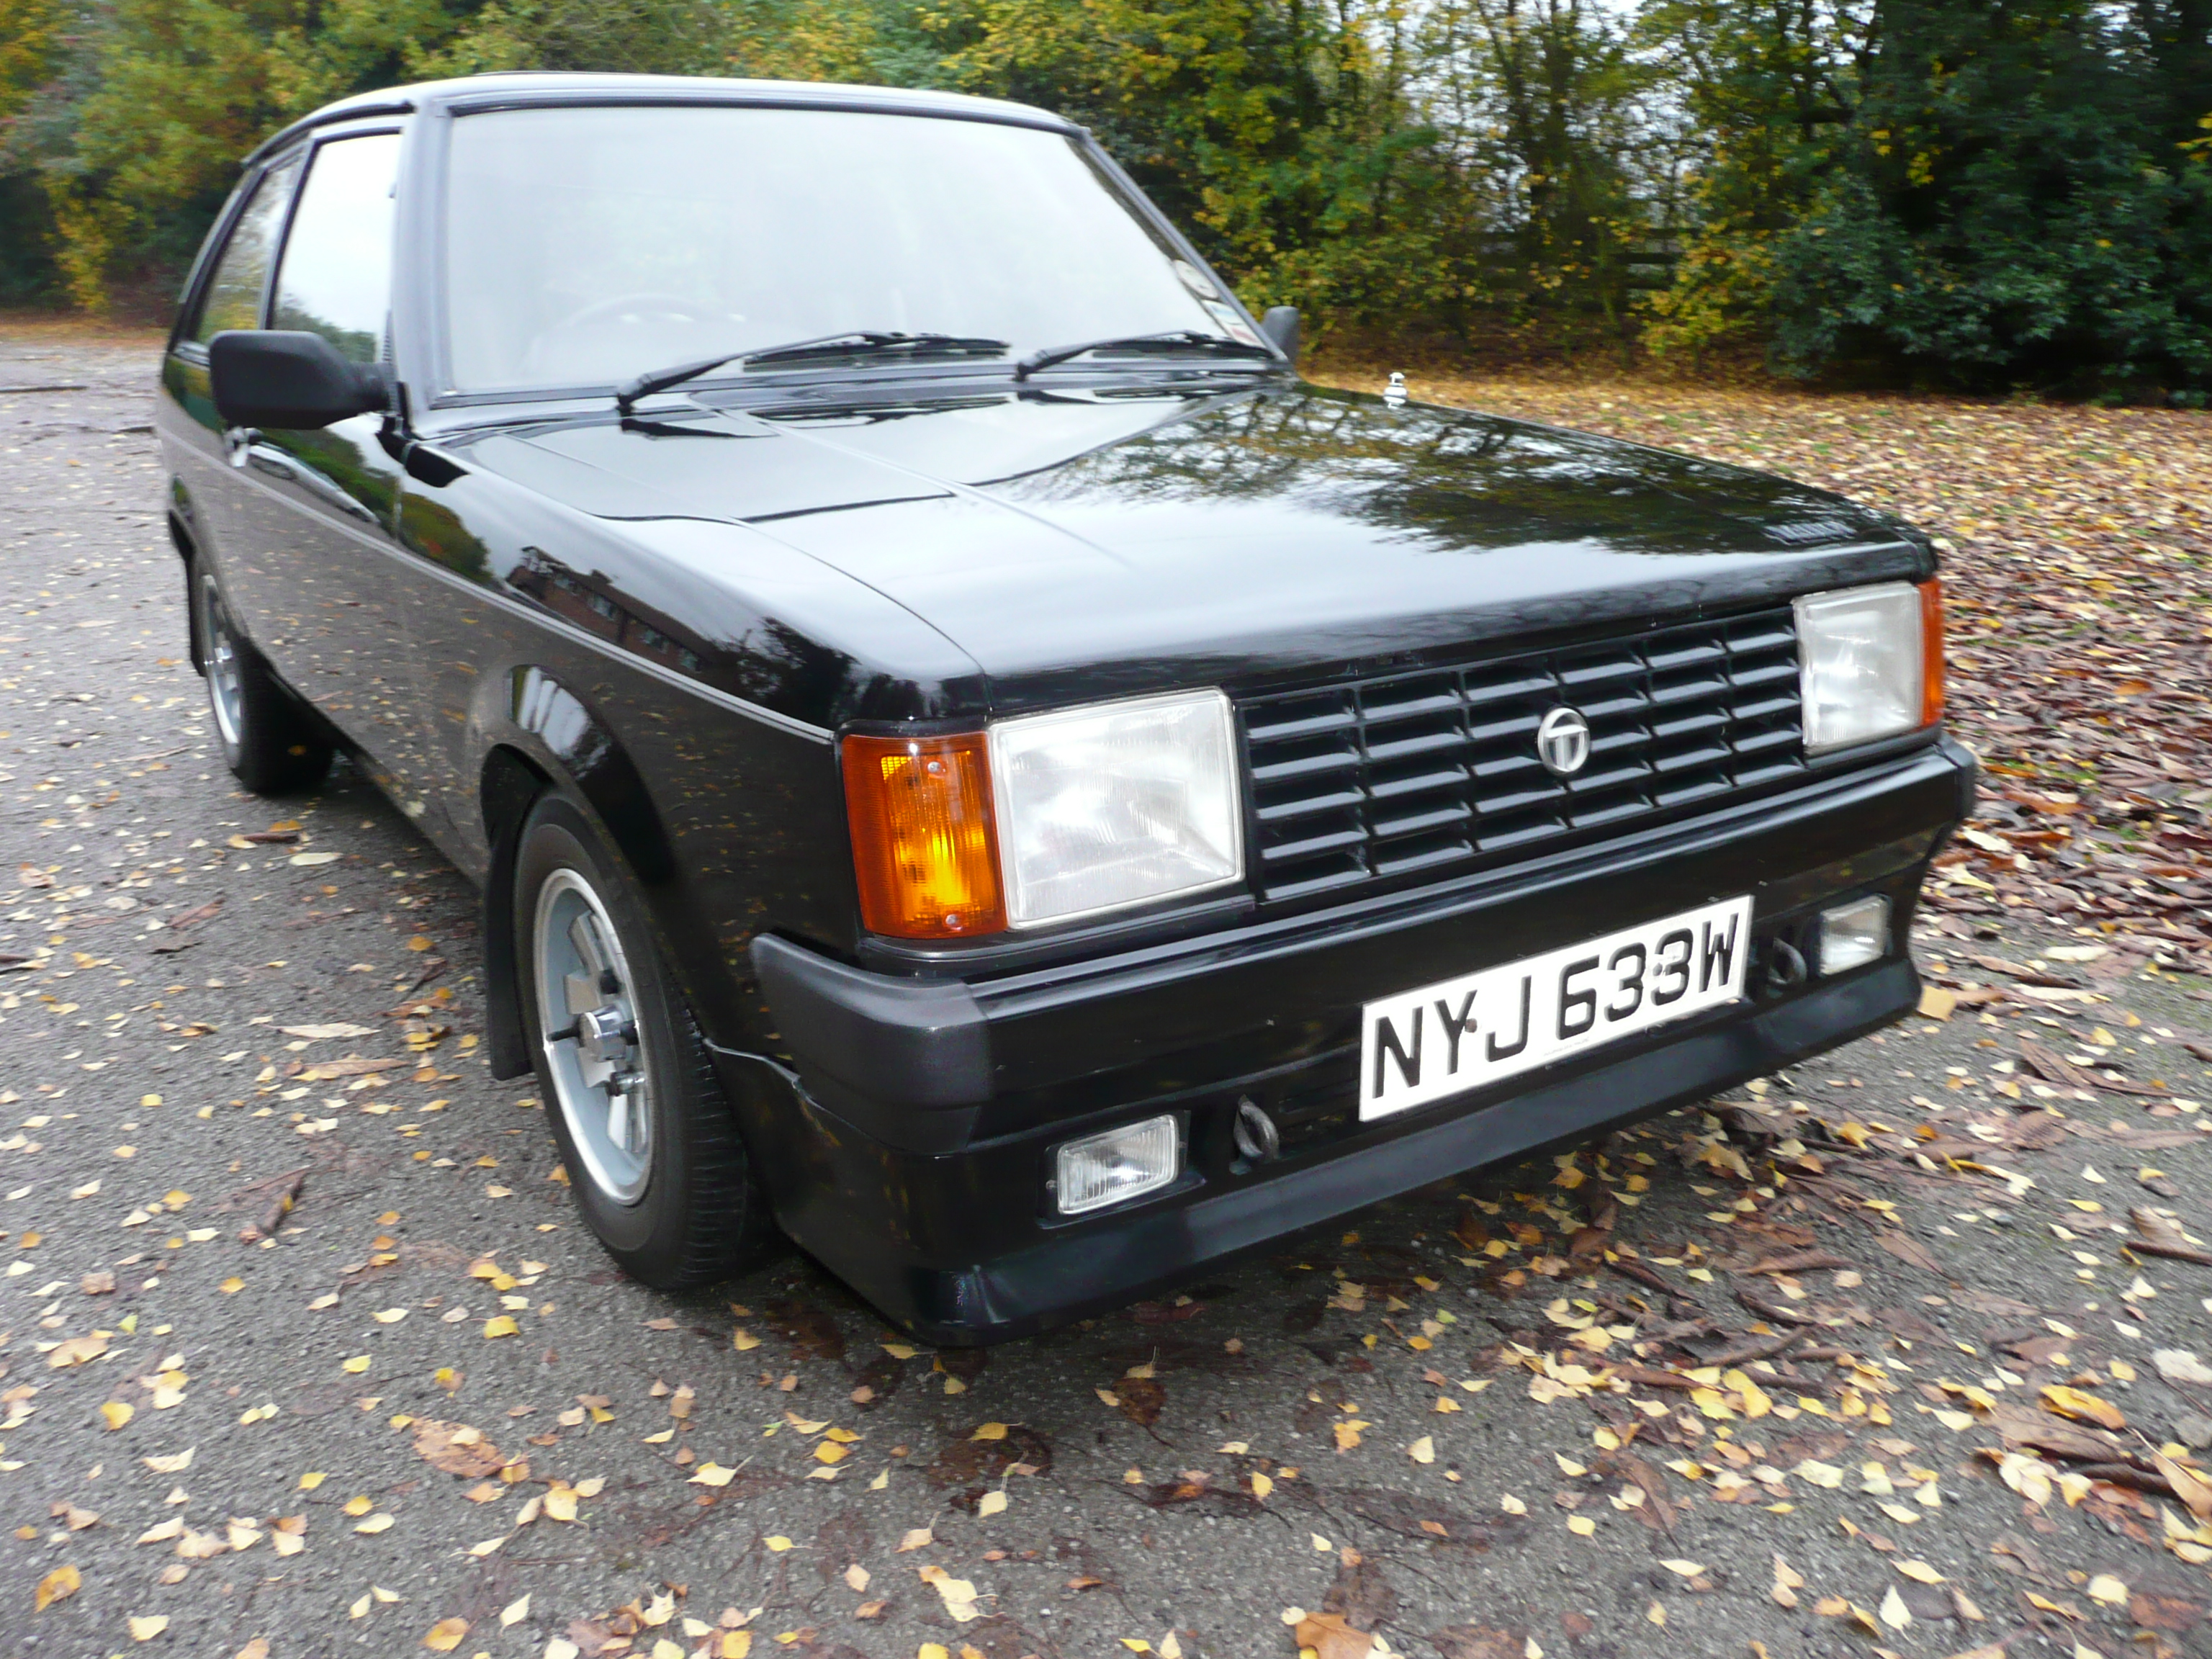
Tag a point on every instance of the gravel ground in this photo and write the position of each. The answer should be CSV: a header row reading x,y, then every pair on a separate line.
x,y
1455,1430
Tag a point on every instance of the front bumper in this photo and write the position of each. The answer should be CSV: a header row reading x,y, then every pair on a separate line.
x,y
911,1145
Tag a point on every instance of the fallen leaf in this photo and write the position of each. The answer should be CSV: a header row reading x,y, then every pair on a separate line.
x,y
1331,1637
57,1586
445,1635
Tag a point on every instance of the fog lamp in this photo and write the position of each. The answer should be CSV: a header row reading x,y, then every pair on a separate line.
x,y
1122,1163
1854,934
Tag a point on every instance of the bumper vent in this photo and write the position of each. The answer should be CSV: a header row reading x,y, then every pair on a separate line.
x,y
1436,771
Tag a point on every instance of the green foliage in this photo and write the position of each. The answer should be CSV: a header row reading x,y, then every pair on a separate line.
x,y
1992,192
1970,194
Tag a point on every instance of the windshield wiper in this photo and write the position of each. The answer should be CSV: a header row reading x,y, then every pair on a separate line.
x,y
1180,339
859,343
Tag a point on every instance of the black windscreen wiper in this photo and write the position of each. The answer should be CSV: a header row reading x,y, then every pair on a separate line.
x,y
1180,339
859,343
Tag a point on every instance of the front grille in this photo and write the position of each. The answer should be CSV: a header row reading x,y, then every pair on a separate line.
x,y
1437,770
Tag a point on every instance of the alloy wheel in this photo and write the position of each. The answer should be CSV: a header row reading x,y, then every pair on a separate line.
x,y
587,1011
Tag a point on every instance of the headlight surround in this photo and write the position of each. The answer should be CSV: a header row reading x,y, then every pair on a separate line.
x,y
1871,663
1117,804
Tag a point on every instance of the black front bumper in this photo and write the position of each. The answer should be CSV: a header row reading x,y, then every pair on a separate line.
x,y
910,1151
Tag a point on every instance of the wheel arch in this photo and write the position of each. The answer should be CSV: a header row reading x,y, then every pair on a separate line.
x,y
542,736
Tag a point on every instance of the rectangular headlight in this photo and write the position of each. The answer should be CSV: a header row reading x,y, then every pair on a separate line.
x,y
1863,656
1122,1163
1116,805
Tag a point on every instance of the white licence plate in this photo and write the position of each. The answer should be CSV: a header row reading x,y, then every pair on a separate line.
x,y
1461,1034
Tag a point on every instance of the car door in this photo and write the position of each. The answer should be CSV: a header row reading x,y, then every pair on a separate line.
x,y
322,503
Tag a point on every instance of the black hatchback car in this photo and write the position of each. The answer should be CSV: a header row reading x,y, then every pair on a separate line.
x,y
970,760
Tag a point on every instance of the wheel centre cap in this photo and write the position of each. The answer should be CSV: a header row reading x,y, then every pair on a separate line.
x,y
604,1033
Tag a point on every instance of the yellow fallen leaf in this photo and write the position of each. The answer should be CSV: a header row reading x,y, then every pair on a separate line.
x,y
1422,1451
992,1503
829,1451
2109,1590
777,1542
117,1414
360,1505
959,1594
1261,1485
358,1365
232,1285
57,1586
515,1613
1684,1568
501,1325
743,1340
1920,1572
2083,1408
376,1523
146,1629
1788,1581
311,1479
561,1504
1580,1525
713,1474
920,1538
445,1635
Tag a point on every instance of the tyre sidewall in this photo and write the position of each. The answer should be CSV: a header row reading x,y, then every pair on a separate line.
x,y
648,1237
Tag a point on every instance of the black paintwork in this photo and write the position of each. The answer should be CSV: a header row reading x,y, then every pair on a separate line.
x,y
671,616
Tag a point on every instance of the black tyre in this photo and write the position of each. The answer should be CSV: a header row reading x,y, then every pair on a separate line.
x,y
652,1147
271,744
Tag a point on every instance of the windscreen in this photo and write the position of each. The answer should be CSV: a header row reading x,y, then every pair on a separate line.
x,y
585,246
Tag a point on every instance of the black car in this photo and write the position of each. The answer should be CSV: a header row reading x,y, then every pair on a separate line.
x,y
970,760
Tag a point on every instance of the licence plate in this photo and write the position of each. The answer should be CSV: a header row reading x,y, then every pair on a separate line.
x,y
1461,1034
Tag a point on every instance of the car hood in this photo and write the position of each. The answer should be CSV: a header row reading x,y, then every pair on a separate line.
x,y
1102,541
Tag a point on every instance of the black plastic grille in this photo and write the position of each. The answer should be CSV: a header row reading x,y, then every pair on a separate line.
x,y
1437,770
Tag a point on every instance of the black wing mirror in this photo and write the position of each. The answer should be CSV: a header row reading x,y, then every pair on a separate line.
x,y
289,379
1280,325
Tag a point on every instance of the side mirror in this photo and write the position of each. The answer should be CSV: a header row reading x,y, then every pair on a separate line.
x,y
1280,325
289,379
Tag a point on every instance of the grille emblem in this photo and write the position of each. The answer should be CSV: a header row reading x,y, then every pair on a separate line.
x,y
1562,741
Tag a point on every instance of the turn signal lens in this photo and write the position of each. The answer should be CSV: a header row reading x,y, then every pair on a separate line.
x,y
922,847
1931,650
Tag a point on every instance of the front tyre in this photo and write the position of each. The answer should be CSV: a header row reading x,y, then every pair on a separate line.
x,y
652,1152
271,744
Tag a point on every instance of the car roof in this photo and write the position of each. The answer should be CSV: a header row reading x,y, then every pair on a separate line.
x,y
523,88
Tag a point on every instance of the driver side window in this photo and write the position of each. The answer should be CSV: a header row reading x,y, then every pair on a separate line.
x,y
335,278
233,299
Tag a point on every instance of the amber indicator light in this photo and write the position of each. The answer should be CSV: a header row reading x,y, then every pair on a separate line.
x,y
922,846
1931,650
